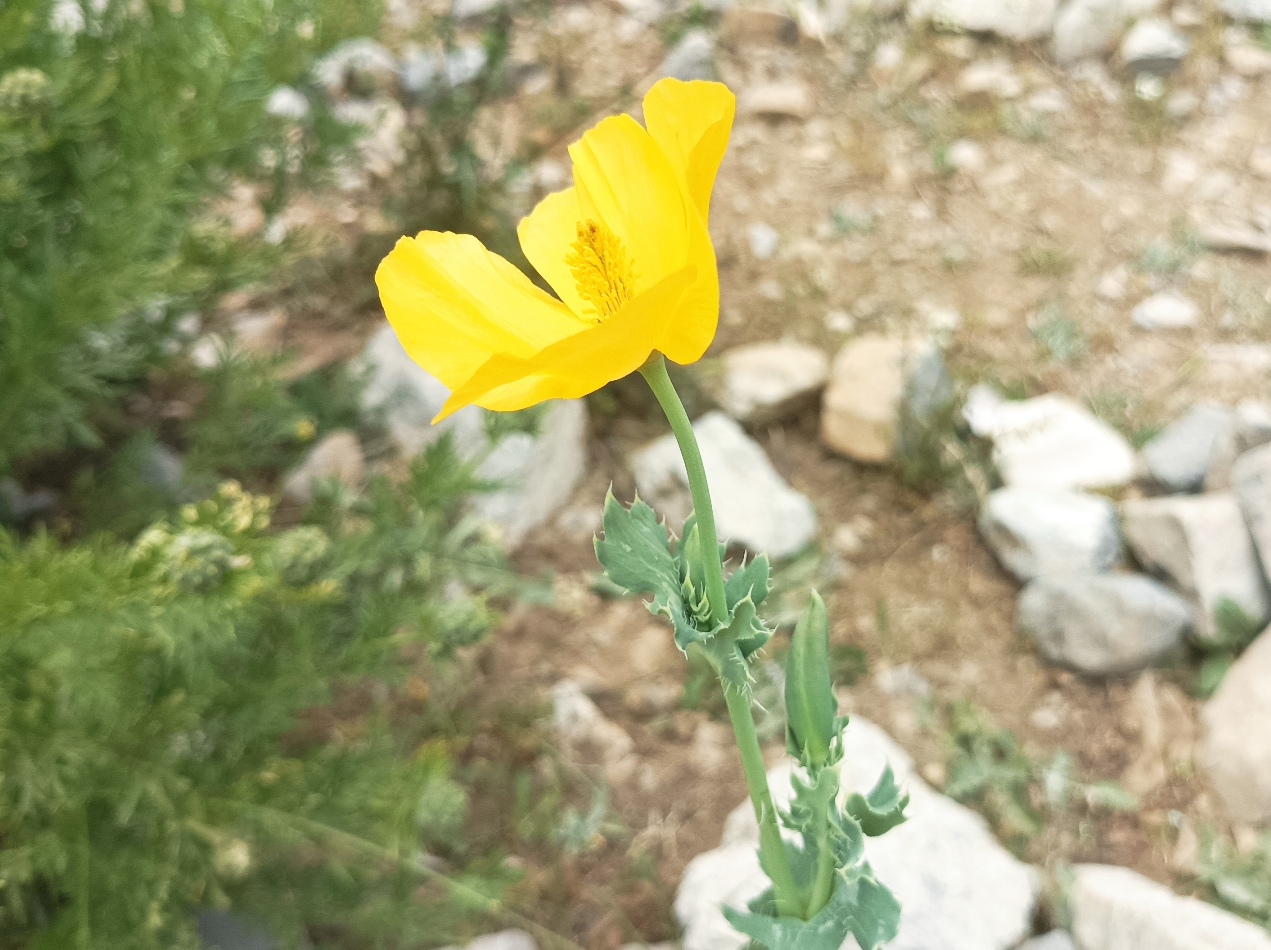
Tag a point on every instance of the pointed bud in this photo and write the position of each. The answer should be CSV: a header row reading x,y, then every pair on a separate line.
x,y
811,724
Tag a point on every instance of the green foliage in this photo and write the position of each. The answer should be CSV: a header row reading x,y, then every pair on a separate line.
x,y
113,138
988,769
1044,260
1238,880
812,723
168,737
1059,335
640,556
1235,631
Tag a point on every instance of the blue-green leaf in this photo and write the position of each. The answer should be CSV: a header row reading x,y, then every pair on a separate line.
x,y
859,906
811,723
750,580
883,809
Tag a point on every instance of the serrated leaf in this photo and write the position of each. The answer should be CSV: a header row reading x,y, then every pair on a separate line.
x,y
882,809
860,906
729,646
750,580
635,553
635,550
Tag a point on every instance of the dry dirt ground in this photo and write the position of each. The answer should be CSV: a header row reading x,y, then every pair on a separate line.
x,y
879,232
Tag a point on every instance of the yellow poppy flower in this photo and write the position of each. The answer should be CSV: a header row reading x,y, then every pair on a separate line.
x,y
626,249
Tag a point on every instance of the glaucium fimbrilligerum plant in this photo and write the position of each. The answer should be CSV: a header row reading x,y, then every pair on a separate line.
x,y
629,255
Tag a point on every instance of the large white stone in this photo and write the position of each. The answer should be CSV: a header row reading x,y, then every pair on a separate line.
x,y
1103,624
925,862
1257,10
754,506
1201,544
1154,45
1116,909
1181,456
765,381
1012,19
1092,27
1051,442
1043,532
1251,483
536,474
1236,749
1168,310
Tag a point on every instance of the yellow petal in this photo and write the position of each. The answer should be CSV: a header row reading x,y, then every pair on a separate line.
x,y
579,364
454,304
691,122
625,182
692,329
546,235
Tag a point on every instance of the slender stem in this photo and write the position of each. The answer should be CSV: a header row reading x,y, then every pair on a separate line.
x,y
659,381
776,861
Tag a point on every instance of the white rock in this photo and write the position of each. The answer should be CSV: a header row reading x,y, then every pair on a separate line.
x,y
1168,310
1154,45
1055,940
1116,909
764,240
1049,102
286,102
1037,532
353,64
1180,457
338,457
1233,237
1103,624
965,155
1201,543
993,77
467,9
754,506
776,100
537,473
1091,27
1257,10
1248,60
862,407
766,381
1051,442
923,861
504,940
1251,483
1236,749
1011,19
693,57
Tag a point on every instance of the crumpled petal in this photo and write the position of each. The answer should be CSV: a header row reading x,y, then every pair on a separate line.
x,y
452,303
691,122
579,364
625,182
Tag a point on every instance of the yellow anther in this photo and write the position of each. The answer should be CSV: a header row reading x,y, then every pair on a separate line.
x,y
602,272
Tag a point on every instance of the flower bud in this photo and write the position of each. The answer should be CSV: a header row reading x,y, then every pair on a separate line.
x,y
811,724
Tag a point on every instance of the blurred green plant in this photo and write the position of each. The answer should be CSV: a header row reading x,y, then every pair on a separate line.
x,y
119,120
988,769
1239,880
1236,629
176,717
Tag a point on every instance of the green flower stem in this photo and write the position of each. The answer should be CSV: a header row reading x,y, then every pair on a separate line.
x,y
659,381
823,886
776,861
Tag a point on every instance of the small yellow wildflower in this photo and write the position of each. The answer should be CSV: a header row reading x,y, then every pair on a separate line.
x,y
626,249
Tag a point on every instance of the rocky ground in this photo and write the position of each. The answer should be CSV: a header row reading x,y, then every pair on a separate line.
x,y
992,372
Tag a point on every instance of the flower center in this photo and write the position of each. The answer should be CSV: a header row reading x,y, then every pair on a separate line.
x,y
602,271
